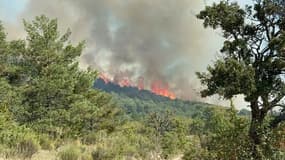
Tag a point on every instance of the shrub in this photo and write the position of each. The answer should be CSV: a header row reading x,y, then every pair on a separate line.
x,y
197,153
7,152
86,157
27,147
91,138
69,153
46,143
2,149
101,154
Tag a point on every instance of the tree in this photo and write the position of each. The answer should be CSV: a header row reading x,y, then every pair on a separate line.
x,y
160,123
53,95
9,78
252,61
222,134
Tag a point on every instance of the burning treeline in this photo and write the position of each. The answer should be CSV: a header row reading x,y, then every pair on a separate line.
x,y
157,86
161,40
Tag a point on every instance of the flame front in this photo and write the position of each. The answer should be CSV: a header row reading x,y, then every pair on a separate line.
x,y
159,88
125,82
104,77
141,83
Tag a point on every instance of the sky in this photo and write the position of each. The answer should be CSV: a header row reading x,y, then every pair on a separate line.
x,y
10,9
154,39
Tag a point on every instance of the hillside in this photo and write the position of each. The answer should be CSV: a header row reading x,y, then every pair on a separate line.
x,y
141,102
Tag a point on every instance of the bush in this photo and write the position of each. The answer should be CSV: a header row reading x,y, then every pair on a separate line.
x,y
69,153
2,149
91,138
7,152
197,153
101,154
27,148
46,143
86,157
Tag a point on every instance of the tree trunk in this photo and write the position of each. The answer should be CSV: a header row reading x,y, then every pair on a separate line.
x,y
255,136
256,130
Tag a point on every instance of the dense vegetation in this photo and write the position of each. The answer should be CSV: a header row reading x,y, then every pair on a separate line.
x,y
139,103
252,62
47,104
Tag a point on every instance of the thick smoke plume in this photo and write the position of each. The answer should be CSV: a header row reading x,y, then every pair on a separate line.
x,y
157,40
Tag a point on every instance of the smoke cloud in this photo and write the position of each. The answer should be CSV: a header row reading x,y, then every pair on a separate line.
x,y
154,39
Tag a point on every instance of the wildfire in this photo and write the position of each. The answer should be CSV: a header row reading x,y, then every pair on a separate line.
x,y
104,77
157,87
125,82
141,83
162,89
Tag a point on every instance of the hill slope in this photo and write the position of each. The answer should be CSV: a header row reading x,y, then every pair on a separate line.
x,y
138,103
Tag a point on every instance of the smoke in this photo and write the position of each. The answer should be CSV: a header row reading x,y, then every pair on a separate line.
x,y
154,39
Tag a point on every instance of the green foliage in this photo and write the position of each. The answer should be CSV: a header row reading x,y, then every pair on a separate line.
x,y
69,153
169,133
232,16
10,132
231,78
86,157
27,147
233,134
140,107
55,82
102,154
46,90
196,153
45,96
135,140
252,61
161,122
170,144
222,135
45,142
130,140
90,138
46,99
2,35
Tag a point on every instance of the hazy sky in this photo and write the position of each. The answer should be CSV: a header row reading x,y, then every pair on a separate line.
x,y
10,9
156,39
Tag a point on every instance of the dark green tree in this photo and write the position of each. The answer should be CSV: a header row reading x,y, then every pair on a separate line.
x,y
222,135
10,71
53,95
252,62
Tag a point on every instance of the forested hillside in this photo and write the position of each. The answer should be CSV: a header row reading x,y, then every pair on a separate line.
x,y
52,109
139,103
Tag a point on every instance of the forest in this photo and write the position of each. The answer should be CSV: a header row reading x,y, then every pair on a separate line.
x,y
52,109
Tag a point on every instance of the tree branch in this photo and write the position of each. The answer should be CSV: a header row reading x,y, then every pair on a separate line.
x,y
275,101
277,120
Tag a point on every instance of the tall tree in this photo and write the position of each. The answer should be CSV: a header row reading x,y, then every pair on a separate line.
x,y
9,69
252,61
56,97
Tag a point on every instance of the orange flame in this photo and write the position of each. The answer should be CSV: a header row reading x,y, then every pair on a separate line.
x,y
104,77
125,82
141,83
159,88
